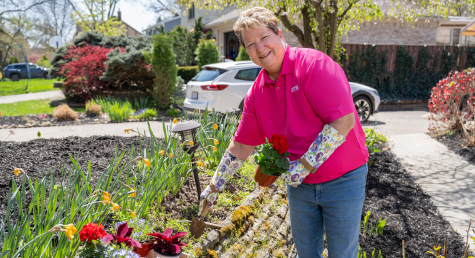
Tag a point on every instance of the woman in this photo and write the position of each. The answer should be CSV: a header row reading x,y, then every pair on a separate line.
x,y
304,95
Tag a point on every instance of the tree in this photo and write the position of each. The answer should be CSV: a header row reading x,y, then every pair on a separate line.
x,y
243,55
185,42
98,16
13,60
207,53
162,60
163,7
320,24
44,62
18,6
56,15
16,28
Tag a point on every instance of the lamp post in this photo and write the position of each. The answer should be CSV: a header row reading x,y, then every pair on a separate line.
x,y
187,132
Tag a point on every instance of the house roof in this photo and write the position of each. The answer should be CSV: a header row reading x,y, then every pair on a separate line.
x,y
468,30
229,17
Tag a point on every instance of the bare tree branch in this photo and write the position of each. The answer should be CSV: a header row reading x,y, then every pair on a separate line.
x,y
282,14
24,9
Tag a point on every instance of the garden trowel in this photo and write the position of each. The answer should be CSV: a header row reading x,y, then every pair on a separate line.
x,y
198,225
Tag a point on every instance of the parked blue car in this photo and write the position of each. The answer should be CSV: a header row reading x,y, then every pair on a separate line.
x,y
19,71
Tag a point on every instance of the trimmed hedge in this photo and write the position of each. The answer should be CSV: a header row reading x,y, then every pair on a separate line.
x,y
188,72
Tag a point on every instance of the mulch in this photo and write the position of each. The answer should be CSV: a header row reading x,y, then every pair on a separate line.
x,y
411,216
456,144
391,192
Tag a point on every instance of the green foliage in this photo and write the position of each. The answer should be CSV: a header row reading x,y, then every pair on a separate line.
x,y
207,53
141,103
8,87
145,113
243,55
188,72
374,140
470,58
44,62
162,60
118,110
92,250
363,254
369,229
270,161
174,112
13,60
183,45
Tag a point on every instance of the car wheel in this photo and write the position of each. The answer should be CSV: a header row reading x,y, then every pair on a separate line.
x,y
241,106
46,76
363,108
15,77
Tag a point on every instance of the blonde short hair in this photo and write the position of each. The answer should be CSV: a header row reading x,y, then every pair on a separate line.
x,y
254,18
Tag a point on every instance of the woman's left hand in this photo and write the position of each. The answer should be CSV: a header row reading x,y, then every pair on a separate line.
x,y
295,174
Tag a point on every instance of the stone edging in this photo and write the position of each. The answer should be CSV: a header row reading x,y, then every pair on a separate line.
x,y
260,227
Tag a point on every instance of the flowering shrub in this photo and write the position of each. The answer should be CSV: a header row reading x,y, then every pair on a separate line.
x,y
272,156
82,73
452,104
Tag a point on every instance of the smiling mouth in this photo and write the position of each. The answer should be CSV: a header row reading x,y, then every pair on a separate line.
x,y
265,55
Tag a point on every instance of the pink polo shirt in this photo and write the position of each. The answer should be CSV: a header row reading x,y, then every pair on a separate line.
x,y
311,91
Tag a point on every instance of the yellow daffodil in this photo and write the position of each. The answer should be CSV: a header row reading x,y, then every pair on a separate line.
x,y
215,127
170,155
115,206
162,152
17,171
146,162
133,215
70,231
216,141
56,187
214,148
191,143
175,121
200,164
106,198
127,131
132,194
176,110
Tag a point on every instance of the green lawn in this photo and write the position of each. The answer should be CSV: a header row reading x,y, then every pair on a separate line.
x,y
8,87
31,107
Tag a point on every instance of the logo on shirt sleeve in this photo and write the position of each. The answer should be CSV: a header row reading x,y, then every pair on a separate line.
x,y
294,88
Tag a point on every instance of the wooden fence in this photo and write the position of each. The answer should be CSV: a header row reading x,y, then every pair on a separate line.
x,y
413,51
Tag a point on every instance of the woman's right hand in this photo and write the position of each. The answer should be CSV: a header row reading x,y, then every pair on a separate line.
x,y
209,195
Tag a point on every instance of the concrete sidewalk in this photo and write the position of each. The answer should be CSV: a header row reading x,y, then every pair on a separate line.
x,y
57,94
28,134
447,177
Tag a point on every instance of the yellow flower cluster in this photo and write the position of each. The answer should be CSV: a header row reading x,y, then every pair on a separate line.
x,y
69,230
17,171
162,152
146,162
106,197
115,206
127,131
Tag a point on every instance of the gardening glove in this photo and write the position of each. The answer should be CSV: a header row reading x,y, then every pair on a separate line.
x,y
327,141
227,167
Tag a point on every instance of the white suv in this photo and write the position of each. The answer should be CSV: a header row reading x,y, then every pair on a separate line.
x,y
223,86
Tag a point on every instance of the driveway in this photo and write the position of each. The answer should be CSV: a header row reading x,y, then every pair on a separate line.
x,y
399,122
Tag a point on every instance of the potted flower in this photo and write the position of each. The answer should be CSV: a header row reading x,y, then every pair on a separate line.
x,y
168,245
141,230
90,234
122,236
272,160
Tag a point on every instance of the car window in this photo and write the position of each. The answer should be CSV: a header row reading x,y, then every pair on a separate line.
x,y
33,67
20,66
208,74
248,74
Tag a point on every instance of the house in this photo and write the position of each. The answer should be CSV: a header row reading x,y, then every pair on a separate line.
x,y
167,24
426,31
129,30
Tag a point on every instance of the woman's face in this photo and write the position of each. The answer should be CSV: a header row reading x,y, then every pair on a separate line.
x,y
265,48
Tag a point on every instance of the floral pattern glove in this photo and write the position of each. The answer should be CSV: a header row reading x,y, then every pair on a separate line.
x,y
227,167
328,140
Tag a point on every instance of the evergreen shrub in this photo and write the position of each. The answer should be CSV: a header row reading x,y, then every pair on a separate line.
x,y
188,72
207,53
162,60
44,62
13,60
243,55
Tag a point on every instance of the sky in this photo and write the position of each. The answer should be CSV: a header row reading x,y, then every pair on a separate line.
x,y
136,14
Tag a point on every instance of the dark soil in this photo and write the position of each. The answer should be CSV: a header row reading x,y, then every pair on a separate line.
x,y
48,155
411,216
456,144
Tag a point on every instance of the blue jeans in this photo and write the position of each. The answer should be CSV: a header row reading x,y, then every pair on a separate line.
x,y
334,207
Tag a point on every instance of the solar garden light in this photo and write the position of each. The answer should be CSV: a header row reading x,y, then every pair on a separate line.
x,y
187,132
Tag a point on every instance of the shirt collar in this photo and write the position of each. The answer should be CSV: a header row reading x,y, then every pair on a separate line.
x,y
287,66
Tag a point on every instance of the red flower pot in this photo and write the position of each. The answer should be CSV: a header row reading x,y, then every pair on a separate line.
x,y
262,179
143,252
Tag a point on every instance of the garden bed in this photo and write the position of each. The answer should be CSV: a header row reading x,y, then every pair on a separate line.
x,y
411,216
455,143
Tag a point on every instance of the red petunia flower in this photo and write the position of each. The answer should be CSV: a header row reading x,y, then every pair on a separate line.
x,y
92,231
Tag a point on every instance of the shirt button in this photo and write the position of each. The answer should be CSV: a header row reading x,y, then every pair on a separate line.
x,y
281,101
277,88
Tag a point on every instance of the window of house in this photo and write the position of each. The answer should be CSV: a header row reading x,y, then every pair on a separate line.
x,y
191,13
248,74
455,37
